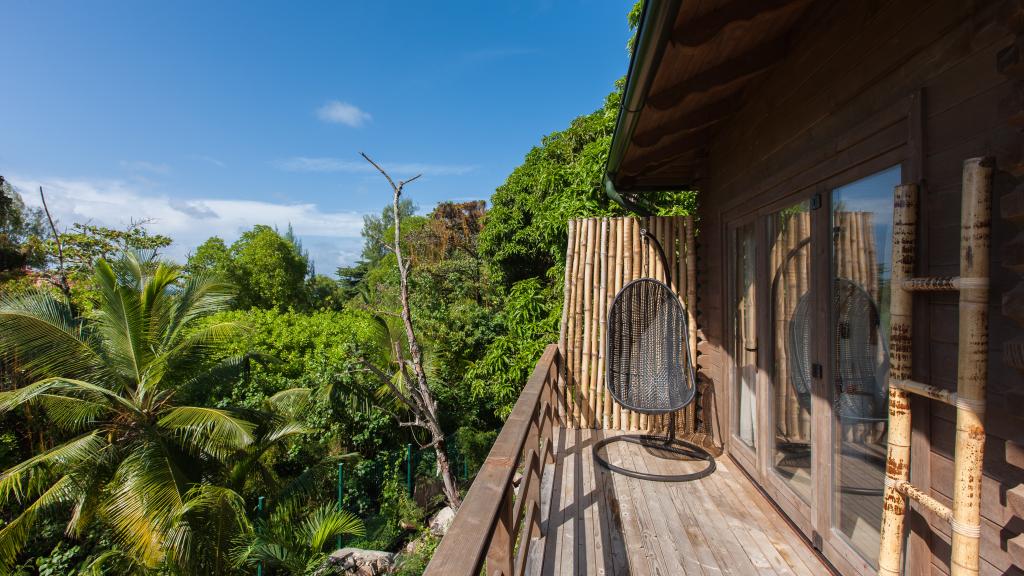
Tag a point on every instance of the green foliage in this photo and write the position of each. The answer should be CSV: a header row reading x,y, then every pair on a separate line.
x,y
525,233
529,321
294,540
269,270
415,563
129,455
378,230
21,232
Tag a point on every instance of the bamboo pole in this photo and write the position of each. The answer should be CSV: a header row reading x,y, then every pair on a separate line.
x,y
972,366
646,249
627,273
576,314
897,470
583,398
595,326
578,328
566,293
609,265
570,330
616,287
659,274
691,307
638,266
599,393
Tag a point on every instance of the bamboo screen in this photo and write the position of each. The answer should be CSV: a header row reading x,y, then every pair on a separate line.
x,y
855,258
603,255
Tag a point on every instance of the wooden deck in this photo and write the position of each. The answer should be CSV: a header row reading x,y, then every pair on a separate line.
x,y
597,522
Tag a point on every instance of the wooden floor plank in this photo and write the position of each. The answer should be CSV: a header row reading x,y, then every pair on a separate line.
x,y
600,522
640,553
673,537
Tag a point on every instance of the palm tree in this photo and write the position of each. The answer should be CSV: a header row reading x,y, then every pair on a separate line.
x,y
296,541
131,458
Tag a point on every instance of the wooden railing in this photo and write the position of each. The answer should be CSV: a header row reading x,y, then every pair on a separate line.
x,y
496,514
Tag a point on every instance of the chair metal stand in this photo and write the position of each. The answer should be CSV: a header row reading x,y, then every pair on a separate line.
x,y
659,443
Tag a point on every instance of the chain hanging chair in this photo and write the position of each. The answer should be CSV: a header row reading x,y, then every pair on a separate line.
x,y
650,370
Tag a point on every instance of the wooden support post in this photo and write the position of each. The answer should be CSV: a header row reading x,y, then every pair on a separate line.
x,y
894,504
499,552
972,366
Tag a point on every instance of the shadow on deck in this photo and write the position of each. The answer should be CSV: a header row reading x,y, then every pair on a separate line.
x,y
597,522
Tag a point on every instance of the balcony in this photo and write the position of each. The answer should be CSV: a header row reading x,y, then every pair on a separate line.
x,y
540,505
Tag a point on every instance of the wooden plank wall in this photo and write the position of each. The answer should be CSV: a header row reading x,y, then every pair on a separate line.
x,y
605,254
809,120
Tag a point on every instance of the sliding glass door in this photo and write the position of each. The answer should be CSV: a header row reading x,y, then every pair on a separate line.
x,y
809,324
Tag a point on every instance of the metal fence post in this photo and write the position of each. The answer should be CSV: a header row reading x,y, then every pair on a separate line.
x,y
341,490
408,469
259,514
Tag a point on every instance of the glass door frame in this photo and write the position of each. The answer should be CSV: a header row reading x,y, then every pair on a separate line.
x,y
815,518
833,543
738,449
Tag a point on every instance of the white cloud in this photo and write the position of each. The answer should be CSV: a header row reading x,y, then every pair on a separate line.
x,y
333,238
209,159
338,112
305,164
144,166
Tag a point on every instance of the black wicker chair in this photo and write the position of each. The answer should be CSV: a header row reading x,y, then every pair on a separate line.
x,y
650,370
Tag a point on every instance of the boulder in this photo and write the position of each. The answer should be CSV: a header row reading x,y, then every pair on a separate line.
x,y
440,522
357,562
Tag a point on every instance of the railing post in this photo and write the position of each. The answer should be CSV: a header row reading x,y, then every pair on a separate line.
x,y
499,553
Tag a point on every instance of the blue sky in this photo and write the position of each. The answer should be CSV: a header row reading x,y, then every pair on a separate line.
x,y
210,117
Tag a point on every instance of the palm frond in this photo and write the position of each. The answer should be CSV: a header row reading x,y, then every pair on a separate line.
x,y
326,523
121,321
208,430
41,334
291,401
147,493
84,448
14,535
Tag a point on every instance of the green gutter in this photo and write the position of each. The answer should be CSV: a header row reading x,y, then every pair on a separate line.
x,y
656,23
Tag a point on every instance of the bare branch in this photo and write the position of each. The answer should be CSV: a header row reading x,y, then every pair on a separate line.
x,y
394,186
63,283
413,179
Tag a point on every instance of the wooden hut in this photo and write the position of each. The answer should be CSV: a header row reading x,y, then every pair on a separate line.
x,y
857,302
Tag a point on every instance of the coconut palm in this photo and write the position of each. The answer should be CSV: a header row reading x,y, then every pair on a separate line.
x,y
294,540
131,457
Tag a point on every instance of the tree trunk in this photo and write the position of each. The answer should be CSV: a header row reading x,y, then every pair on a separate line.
x,y
422,402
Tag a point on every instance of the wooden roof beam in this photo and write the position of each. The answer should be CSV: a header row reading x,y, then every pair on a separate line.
x,y
696,120
698,31
693,153
737,70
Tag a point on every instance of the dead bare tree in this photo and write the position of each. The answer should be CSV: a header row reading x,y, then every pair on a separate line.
x,y
61,281
418,397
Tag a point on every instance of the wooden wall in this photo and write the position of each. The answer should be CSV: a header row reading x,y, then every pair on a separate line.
x,y
869,84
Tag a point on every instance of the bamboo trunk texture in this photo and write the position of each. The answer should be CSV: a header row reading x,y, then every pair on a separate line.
x,y
897,470
563,376
972,374
972,365
602,256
